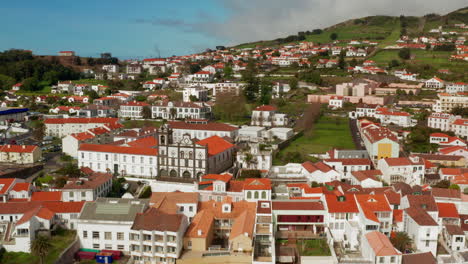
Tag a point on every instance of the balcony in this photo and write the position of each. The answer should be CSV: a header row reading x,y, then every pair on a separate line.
x,y
264,229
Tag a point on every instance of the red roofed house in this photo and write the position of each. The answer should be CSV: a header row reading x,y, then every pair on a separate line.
x,y
133,110
20,154
66,53
346,166
13,188
21,221
202,77
410,170
377,248
342,210
87,188
380,142
421,228
448,214
375,213
435,83
256,189
266,115
367,178
98,135
46,196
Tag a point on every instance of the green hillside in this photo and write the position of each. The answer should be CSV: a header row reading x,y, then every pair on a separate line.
x,y
384,29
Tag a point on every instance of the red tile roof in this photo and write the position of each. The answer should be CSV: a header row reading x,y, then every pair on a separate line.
x,y
215,145
18,148
421,217
21,186
265,108
217,177
46,196
5,184
448,210
257,184
348,205
79,120
397,215
135,103
380,244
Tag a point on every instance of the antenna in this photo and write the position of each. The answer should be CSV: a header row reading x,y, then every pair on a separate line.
x,y
158,51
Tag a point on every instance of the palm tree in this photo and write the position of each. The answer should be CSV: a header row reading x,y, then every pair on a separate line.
x,y
401,241
40,247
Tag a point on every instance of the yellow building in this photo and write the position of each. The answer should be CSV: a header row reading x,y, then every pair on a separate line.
x,y
20,154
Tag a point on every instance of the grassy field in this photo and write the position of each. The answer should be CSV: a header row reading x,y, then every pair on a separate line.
x,y
313,247
329,132
59,243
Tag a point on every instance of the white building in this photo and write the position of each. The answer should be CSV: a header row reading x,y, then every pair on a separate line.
x,y
106,223
199,93
346,166
336,102
458,87
133,110
434,83
87,188
138,158
61,127
447,102
422,229
255,158
266,116
111,68
387,117
202,129
182,110
377,248
409,170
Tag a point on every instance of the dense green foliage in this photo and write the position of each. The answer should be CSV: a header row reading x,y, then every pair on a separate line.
x,y
34,73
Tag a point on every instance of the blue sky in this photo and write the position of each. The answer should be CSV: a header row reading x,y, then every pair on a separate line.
x,y
141,28
90,27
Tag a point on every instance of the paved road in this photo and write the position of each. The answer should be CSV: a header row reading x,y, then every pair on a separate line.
x,y
356,135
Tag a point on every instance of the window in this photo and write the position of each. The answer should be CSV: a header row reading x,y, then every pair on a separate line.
x,y
120,236
427,243
83,194
381,260
95,246
107,235
181,209
120,247
392,260
190,208
108,246
95,234
70,194
85,234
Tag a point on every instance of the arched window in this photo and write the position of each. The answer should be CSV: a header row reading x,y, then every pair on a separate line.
x,y
182,154
186,174
190,155
173,173
249,195
264,195
163,173
256,195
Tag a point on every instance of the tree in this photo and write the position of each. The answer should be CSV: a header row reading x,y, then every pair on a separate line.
x,y
229,107
39,131
92,95
445,184
146,193
341,60
459,110
293,83
333,36
228,71
41,247
30,84
266,89
394,63
193,98
401,241
454,187
276,54
146,112
311,77
405,54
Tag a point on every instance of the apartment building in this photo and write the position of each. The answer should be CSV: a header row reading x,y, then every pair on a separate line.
x,y
202,129
267,116
20,154
61,127
132,110
106,223
447,102
180,110
410,170
89,188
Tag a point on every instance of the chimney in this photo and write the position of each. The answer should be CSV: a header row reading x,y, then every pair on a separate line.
x,y
23,146
199,232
